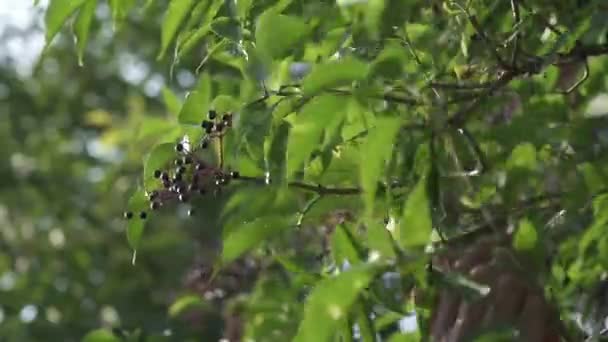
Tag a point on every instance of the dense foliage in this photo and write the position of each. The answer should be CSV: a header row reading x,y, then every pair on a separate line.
x,y
306,170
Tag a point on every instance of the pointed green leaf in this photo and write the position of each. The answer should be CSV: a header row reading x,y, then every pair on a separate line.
x,y
204,28
172,102
197,102
343,248
374,155
251,234
100,335
176,13
526,236
276,34
82,26
185,303
310,124
158,159
331,300
56,15
120,9
416,224
334,73
138,203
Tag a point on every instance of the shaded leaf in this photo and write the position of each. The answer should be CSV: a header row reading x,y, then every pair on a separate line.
x,y
310,124
197,102
334,73
138,203
374,154
172,102
82,26
157,159
176,13
56,15
250,234
331,300
120,9
277,34
416,224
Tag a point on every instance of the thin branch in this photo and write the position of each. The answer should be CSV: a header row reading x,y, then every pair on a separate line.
x,y
306,209
318,189
517,19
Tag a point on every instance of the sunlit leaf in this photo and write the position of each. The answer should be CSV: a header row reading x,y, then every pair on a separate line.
x,y
197,102
82,26
331,300
172,102
375,153
120,9
334,73
186,303
277,34
100,335
57,14
416,225
526,236
523,156
176,13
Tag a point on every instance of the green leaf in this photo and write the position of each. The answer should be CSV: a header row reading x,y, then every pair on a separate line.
x,y
277,34
56,15
526,237
100,335
158,159
120,9
172,102
185,303
250,234
310,124
197,102
82,26
416,224
176,13
205,27
523,156
334,73
138,203
275,151
343,248
375,154
331,300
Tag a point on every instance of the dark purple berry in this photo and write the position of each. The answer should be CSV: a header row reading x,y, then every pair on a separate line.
x,y
128,215
152,195
154,205
143,215
235,174
187,160
204,144
183,198
179,147
192,187
202,191
199,166
157,173
177,177
191,212
165,176
219,127
212,114
180,189
178,162
206,124
166,184
181,170
209,129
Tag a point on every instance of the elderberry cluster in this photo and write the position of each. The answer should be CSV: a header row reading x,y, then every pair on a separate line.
x,y
189,175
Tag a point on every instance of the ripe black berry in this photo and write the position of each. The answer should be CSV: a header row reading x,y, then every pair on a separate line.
x,y
181,170
178,162
205,124
180,189
209,128
154,205
128,215
226,117
157,173
202,191
212,114
164,176
192,187
177,177
191,212
179,147
166,184
235,174
204,144
152,195
183,198
199,166
143,215
219,127
187,160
